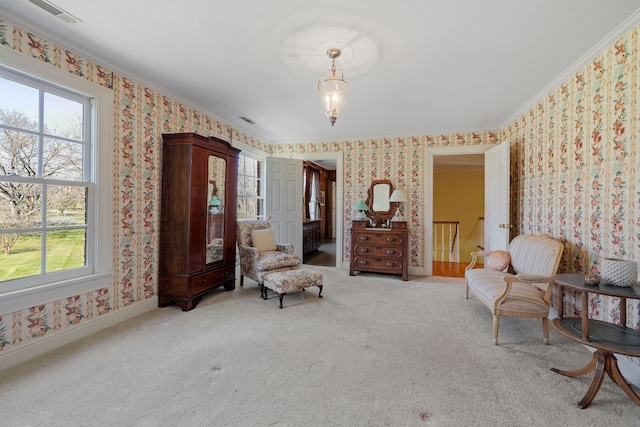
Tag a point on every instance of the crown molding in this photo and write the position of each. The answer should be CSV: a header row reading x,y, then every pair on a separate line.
x,y
585,59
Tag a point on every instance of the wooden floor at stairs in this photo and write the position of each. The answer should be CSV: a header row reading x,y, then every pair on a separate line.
x,y
451,269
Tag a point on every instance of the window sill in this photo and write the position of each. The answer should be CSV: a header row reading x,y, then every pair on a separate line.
x,y
25,298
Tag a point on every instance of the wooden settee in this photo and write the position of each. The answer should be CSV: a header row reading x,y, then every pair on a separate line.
x,y
520,282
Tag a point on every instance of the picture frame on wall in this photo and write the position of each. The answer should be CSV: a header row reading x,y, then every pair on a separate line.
x,y
322,198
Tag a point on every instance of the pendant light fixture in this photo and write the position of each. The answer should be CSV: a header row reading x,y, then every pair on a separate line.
x,y
333,89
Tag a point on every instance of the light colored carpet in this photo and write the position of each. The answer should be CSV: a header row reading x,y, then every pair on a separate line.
x,y
375,351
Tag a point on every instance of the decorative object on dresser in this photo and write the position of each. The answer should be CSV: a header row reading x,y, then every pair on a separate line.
x,y
380,250
360,207
197,245
381,208
311,239
398,196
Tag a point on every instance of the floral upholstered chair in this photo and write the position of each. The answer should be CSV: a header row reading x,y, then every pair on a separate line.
x,y
260,254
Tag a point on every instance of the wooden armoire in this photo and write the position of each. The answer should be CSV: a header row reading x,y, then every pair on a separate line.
x,y
197,218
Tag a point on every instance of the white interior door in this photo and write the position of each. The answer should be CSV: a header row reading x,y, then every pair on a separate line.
x,y
284,200
496,197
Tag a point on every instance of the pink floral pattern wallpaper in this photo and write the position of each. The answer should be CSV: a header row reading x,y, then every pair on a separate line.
x,y
574,175
141,116
576,168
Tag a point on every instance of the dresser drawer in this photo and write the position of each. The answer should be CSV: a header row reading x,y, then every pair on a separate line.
x,y
371,249
211,279
379,238
388,265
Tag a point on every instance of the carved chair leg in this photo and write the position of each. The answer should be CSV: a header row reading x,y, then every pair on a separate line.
x,y
466,289
263,292
496,321
241,280
320,291
545,330
281,296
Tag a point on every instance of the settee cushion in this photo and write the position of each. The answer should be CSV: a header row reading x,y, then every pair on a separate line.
x,y
487,285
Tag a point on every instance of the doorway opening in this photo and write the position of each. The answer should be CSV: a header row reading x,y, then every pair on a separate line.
x,y
454,225
326,249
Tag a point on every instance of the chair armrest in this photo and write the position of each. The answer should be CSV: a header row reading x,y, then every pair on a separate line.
x,y
541,282
474,258
287,248
248,251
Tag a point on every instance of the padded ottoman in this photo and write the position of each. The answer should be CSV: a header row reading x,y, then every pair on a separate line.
x,y
282,282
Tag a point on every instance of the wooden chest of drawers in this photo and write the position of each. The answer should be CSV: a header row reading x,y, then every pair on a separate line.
x,y
380,250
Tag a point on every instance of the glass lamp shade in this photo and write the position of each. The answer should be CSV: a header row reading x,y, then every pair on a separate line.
x,y
361,206
333,92
215,204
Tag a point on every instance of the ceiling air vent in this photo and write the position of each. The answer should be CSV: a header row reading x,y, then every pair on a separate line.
x,y
248,120
56,11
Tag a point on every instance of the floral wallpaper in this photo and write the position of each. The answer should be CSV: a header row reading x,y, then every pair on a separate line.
x,y
575,169
141,116
574,176
399,160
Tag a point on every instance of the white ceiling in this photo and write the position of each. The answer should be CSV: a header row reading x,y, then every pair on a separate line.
x,y
416,67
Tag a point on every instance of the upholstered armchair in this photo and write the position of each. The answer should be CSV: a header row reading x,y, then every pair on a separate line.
x,y
260,254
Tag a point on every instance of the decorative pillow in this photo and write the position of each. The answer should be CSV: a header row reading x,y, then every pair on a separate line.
x,y
498,260
264,240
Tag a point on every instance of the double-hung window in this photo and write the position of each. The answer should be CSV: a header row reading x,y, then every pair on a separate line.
x,y
49,195
250,187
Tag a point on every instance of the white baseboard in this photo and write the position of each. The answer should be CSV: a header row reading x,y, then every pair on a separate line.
x,y
48,343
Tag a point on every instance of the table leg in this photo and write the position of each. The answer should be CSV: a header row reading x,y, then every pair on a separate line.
x,y
602,362
559,301
589,367
585,316
616,376
597,379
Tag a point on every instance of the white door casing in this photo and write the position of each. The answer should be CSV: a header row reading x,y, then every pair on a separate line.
x,y
496,197
284,200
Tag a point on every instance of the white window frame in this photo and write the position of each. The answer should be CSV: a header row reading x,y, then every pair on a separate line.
x,y
262,197
40,289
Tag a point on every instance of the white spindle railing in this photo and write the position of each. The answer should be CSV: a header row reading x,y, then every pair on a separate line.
x,y
446,241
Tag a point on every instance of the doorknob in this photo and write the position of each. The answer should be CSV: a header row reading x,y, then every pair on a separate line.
x,y
268,217
505,226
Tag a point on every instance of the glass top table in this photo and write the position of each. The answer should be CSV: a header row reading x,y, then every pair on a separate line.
x,y
607,338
